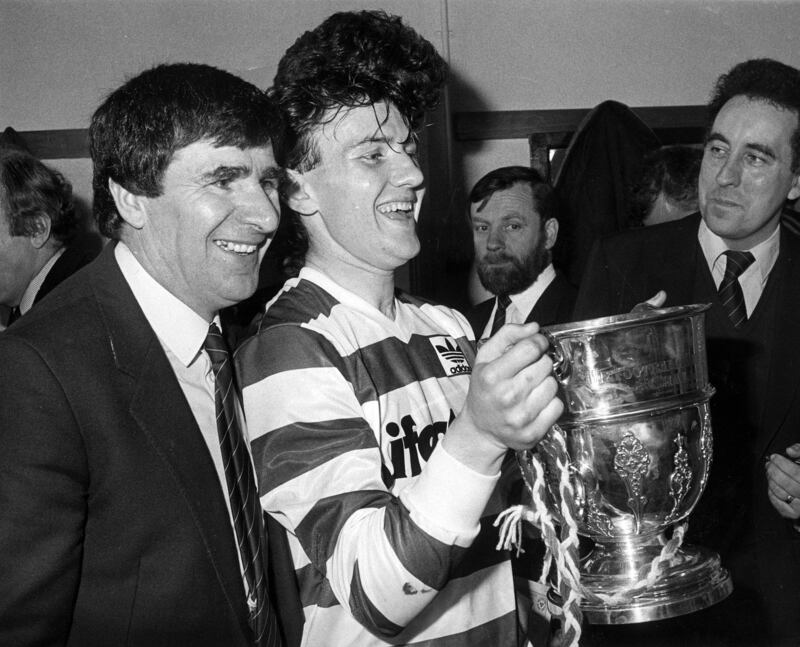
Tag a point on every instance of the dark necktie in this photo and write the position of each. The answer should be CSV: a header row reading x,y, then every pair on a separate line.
x,y
503,301
245,504
730,292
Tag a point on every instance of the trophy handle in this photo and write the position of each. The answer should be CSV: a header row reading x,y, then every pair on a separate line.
x,y
561,365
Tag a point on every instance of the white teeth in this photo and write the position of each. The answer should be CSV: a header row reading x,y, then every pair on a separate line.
x,y
395,206
237,248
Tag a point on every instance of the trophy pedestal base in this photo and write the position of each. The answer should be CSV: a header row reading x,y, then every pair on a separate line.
x,y
694,579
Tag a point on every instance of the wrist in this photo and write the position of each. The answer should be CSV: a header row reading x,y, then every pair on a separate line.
x,y
473,447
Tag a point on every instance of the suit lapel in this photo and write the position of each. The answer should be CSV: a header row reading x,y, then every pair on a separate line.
x,y
158,406
478,317
672,262
552,307
782,383
545,306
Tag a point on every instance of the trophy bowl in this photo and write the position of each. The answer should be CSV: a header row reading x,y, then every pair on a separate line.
x,y
629,459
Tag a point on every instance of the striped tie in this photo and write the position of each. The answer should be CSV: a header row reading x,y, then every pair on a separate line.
x,y
503,301
245,504
730,292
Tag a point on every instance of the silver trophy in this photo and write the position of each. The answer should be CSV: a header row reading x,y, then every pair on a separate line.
x,y
629,460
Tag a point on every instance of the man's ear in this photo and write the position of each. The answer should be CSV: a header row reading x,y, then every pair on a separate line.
x,y
298,194
42,231
132,207
550,232
794,192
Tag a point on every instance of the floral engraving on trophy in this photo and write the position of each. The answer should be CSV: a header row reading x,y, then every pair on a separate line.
x,y
596,519
632,462
680,480
706,446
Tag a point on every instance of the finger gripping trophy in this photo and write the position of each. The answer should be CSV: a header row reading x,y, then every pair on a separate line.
x,y
625,465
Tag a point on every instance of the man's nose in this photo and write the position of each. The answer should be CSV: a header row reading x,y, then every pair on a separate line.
x,y
495,239
261,209
406,171
730,173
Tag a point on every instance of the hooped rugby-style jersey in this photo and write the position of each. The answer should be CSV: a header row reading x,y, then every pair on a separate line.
x,y
391,537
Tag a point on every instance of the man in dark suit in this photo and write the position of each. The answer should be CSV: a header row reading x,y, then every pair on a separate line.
x,y
120,494
736,256
514,216
38,226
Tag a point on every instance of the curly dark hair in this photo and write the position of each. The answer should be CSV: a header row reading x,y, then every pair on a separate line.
x,y
137,129
28,189
352,59
763,79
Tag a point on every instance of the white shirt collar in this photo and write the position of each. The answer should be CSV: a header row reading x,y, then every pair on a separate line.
x,y
178,327
525,300
29,296
765,253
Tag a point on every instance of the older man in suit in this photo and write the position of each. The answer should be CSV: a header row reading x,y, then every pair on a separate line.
x,y
38,225
124,472
735,255
514,217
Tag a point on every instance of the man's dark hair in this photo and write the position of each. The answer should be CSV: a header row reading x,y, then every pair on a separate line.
x,y
545,200
352,59
761,79
138,128
671,170
29,189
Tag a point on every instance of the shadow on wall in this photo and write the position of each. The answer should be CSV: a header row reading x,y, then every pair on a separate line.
x,y
440,272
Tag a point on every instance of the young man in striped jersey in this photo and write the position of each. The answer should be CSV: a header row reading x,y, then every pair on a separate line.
x,y
378,436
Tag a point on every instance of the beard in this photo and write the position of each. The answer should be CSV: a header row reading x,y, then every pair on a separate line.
x,y
502,273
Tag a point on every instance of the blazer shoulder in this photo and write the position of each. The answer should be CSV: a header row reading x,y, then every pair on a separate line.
x,y
653,236
556,303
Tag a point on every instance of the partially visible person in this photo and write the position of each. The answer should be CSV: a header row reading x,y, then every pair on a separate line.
x,y
667,186
790,218
38,224
514,217
377,434
737,256
125,476
783,477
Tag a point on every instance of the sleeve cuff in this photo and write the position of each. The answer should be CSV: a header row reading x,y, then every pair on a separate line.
x,y
448,498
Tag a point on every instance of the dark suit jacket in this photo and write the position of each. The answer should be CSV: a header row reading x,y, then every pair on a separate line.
x,y
114,528
630,267
553,307
73,259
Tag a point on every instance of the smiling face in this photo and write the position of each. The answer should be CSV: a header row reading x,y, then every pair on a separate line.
x,y
511,242
204,237
362,200
746,173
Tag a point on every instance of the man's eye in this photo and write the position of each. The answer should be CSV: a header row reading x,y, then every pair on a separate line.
x,y
754,160
716,152
270,184
224,182
513,226
480,228
372,156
